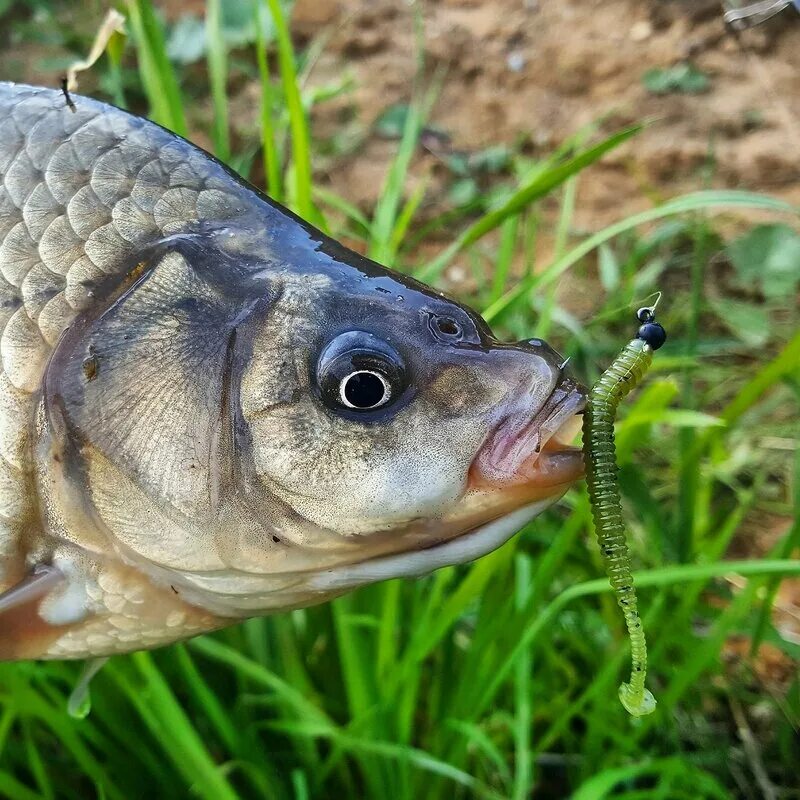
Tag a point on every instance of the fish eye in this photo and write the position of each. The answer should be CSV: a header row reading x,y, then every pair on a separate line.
x,y
358,372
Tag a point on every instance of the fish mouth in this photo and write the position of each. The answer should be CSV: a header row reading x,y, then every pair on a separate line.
x,y
524,465
534,452
470,545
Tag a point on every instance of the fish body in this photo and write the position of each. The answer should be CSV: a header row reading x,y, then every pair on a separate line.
x,y
210,410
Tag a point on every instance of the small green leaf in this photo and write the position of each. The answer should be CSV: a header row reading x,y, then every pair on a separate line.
x,y
682,78
463,192
239,26
492,159
769,256
186,43
745,320
458,163
392,121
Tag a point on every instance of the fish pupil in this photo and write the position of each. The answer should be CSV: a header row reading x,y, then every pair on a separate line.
x,y
364,389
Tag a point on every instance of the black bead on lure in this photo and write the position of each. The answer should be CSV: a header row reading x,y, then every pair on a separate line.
x,y
601,478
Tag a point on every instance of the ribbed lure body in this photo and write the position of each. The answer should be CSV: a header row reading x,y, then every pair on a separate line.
x,y
601,478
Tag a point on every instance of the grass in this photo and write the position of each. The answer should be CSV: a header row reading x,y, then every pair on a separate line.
x,y
497,679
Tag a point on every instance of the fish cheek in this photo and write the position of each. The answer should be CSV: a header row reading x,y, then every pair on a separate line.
x,y
352,474
144,385
299,455
465,391
358,478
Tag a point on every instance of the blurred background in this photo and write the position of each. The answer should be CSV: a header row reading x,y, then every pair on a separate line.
x,y
552,164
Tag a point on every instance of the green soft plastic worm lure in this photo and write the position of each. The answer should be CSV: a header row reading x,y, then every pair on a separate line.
x,y
601,477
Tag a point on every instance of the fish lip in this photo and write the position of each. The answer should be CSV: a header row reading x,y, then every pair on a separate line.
x,y
534,450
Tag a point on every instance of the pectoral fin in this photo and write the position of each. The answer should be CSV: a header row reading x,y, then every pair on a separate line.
x,y
33,587
23,633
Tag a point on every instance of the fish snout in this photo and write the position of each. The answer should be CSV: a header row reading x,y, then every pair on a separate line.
x,y
542,349
532,443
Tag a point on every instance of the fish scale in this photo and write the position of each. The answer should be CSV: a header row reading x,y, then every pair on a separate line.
x,y
79,191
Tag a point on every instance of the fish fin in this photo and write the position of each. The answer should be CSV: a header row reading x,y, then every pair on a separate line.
x,y
80,702
32,587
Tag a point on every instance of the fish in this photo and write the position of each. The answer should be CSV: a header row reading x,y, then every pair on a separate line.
x,y
210,410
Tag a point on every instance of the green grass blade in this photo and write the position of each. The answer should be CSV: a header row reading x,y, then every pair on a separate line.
x,y
505,255
790,543
7,720
545,317
11,788
218,72
683,532
244,666
698,201
385,219
207,700
783,365
171,726
388,751
479,739
388,644
158,77
404,218
426,637
31,703
780,367
353,657
36,764
665,576
348,210
523,757
540,186
269,150
301,144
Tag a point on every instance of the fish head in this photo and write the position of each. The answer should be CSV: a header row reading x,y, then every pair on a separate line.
x,y
212,410
388,415
269,438
211,449
260,421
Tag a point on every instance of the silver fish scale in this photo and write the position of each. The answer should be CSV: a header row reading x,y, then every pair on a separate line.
x,y
80,193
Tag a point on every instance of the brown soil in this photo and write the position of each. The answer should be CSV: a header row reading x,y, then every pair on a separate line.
x,y
538,71
534,72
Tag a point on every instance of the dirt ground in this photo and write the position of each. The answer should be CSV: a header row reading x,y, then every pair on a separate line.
x,y
532,73
538,70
